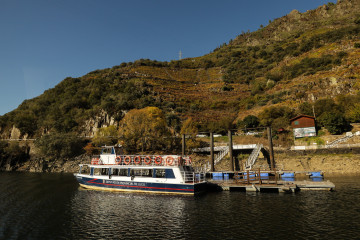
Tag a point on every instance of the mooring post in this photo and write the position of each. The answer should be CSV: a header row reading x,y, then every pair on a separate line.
x,y
260,177
212,169
272,160
231,151
183,143
248,177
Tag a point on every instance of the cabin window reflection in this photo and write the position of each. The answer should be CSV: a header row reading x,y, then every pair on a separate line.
x,y
97,171
120,172
141,172
104,171
160,173
85,169
107,151
115,171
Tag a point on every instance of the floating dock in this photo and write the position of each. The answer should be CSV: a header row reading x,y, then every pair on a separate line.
x,y
280,186
267,181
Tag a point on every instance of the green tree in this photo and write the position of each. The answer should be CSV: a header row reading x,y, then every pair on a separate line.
x,y
106,136
334,122
222,125
324,106
26,122
353,114
269,115
60,145
249,121
189,128
305,108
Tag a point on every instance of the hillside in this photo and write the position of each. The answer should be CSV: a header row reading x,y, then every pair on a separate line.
x,y
296,59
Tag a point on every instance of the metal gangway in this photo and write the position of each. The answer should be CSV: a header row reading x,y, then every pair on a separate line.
x,y
253,157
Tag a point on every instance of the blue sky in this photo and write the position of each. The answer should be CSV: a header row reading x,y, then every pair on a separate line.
x,y
44,41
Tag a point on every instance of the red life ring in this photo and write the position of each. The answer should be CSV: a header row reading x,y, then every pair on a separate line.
x,y
169,161
118,160
156,160
137,160
127,160
147,160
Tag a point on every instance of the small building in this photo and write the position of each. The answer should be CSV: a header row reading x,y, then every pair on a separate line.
x,y
303,126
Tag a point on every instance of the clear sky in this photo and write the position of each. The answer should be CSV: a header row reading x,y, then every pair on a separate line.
x,y
44,41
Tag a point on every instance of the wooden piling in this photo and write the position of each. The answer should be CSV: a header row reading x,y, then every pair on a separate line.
x,y
271,149
183,143
212,161
231,151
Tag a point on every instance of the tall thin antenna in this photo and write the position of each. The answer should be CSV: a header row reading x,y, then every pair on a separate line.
x,y
180,55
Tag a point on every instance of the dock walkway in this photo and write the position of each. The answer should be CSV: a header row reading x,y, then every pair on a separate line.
x,y
269,181
272,186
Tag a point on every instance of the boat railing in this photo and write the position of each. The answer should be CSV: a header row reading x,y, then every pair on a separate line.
x,y
193,177
145,160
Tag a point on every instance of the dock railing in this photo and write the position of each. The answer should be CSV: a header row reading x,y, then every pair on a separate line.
x,y
256,177
193,177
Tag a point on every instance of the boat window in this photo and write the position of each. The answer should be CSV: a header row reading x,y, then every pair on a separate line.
x,y
141,172
97,171
85,169
160,173
164,173
115,171
120,172
169,173
107,151
104,171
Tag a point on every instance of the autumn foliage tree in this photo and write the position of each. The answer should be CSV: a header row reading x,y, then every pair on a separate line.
x,y
189,128
144,130
106,136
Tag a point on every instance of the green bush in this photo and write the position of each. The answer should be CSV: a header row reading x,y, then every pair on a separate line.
x,y
60,145
334,122
13,151
249,121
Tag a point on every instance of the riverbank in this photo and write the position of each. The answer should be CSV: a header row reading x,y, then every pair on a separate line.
x,y
36,164
333,161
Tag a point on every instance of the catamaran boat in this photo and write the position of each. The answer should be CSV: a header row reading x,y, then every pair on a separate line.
x,y
139,173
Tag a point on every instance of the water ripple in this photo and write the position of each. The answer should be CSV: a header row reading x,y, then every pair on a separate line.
x,y
51,206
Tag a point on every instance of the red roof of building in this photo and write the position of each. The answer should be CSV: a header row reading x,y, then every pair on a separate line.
x,y
300,117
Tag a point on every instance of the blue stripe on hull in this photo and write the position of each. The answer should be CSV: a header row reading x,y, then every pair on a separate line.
x,y
141,186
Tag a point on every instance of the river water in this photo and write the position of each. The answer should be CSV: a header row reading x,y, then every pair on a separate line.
x,y
52,206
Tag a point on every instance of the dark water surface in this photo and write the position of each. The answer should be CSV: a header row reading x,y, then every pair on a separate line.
x,y
51,206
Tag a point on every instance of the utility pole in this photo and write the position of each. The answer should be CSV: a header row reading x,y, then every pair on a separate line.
x,y
180,55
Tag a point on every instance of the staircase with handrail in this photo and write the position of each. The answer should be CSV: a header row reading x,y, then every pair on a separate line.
x,y
253,157
339,140
221,154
